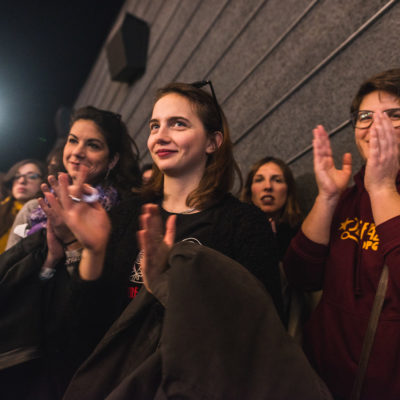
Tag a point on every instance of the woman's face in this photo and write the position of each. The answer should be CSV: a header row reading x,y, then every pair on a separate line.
x,y
269,189
374,101
178,142
26,182
86,146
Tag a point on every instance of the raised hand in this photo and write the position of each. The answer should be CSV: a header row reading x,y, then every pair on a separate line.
x,y
331,183
330,180
383,156
154,243
55,248
88,222
54,212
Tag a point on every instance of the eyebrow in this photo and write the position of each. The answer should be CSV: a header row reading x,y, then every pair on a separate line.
x,y
272,176
173,118
88,140
388,109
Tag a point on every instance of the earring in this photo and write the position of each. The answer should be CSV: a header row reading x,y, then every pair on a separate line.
x,y
108,173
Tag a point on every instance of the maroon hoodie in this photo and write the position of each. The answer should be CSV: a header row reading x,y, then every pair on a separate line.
x,y
348,270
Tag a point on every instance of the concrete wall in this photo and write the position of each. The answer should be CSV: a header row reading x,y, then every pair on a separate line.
x,y
279,67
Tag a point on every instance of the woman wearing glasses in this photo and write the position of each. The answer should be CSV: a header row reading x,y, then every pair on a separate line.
x,y
344,242
23,183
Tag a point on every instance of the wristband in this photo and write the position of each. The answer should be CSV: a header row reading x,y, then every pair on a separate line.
x,y
68,243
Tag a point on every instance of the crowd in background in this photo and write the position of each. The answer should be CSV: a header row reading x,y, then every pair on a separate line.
x,y
158,282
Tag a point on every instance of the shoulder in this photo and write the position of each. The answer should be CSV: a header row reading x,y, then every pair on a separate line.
x,y
127,207
237,208
125,214
246,217
29,206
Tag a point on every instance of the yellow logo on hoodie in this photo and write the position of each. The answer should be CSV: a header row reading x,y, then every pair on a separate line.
x,y
361,232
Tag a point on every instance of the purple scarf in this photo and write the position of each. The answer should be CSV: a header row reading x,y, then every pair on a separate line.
x,y
108,199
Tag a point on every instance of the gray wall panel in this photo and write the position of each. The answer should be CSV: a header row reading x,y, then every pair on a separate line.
x,y
279,67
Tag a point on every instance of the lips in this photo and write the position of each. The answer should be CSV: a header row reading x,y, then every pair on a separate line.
x,y
165,152
267,199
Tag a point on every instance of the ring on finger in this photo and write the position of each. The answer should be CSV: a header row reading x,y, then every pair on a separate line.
x,y
75,199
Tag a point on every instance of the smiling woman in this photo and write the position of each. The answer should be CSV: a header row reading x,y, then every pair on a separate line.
x,y
348,237
99,154
192,208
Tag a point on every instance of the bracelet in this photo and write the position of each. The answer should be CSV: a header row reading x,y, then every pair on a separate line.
x,y
46,273
68,243
72,256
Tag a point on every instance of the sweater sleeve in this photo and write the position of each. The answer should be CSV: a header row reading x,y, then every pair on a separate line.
x,y
304,263
389,237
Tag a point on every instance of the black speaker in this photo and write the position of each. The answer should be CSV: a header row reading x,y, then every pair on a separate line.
x,y
127,50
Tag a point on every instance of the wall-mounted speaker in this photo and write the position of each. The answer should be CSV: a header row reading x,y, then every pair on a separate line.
x,y
127,50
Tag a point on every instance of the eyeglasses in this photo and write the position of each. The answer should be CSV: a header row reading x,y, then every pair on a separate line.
x,y
32,176
199,85
363,119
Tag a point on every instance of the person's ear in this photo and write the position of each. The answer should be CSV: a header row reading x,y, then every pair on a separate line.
x,y
214,142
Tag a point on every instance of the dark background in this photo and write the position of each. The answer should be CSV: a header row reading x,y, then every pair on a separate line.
x,y
47,49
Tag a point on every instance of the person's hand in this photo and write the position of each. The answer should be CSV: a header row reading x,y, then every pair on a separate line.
x,y
88,222
53,211
154,244
383,157
55,248
331,181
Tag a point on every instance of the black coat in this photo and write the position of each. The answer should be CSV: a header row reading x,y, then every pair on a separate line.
x,y
223,343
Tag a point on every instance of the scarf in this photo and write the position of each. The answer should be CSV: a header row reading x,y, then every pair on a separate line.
x,y
108,199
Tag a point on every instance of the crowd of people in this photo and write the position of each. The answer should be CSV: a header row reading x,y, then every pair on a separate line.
x,y
122,282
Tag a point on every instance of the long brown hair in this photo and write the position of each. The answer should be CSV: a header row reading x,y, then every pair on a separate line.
x,y
290,213
218,177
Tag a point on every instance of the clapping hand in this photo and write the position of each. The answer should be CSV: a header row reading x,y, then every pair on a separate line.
x,y
383,156
154,243
330,180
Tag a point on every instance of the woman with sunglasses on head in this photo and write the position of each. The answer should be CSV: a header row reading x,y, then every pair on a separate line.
x,y
200,308
99,145
22,182
344,243
190,145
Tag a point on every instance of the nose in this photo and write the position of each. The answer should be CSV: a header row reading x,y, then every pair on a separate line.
x,y
23,177
267,185
79,150
163,134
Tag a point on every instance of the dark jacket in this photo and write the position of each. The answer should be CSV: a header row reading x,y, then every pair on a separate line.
x,y
223,343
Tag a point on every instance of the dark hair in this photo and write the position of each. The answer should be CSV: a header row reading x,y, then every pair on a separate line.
x,y
291,213
387,81
218,177
126,173
6,216
3,190
146,167
55,153
9,176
